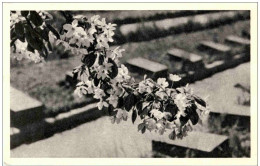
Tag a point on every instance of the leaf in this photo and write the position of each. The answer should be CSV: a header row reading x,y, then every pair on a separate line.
x,y
143,130
129,101
134,116
100,59
75,76
96,81
19,30
111,111
49,46
89,59
173,109
141,126
53,30
114,69
120,102
32,39
139,106
43,33
29,48
172,135
194,117
200,101
35,18
24,13
184,119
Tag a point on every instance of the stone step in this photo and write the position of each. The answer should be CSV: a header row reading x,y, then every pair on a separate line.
x,y
213,48
190,61
24,109
145,66
237,40
196,144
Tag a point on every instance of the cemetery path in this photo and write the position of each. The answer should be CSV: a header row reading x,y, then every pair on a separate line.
x,y
99,138
221,93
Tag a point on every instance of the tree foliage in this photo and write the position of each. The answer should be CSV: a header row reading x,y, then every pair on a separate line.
x,y
159,106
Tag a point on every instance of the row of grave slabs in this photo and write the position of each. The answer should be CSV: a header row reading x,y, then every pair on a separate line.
x,y
190,66
222,88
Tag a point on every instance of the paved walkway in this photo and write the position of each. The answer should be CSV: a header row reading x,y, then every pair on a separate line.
x,y
98,138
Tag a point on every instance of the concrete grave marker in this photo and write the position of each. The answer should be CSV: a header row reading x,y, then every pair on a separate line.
x,y
215,48
190,61
205,144
238,40
24,109
145,66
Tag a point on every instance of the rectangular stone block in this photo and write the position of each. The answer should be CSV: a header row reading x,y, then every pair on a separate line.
x,y
213,48
196,144
24,109
145,66
190,61
238,40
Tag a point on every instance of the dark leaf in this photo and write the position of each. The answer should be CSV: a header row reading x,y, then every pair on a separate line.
x,y
89,59
19,30
114,69
35,18
172,135
25,13
45,51
100,59
120,102
32,39
29,48
129,101
200,100
144,112
173,109
184,119
96,81
141,126
143,130
43,33
194,117
134,116
13,34
139,108
49,46
53,30
105,86
111,111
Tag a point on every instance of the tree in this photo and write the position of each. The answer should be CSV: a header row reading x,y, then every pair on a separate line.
x,y
159,106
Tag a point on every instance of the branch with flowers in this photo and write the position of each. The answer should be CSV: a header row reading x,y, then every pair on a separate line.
x,y
159,106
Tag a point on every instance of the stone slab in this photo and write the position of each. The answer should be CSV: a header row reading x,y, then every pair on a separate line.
x,y
152,68
223,83
238,40
184,55
24,109
220,48
205,142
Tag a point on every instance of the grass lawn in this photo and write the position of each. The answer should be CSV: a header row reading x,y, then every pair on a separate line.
x,y
41,81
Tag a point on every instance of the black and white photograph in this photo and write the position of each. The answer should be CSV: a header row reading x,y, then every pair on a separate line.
x,y
131,83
